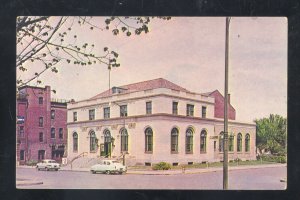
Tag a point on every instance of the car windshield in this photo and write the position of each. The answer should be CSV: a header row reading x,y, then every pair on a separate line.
x,y
52,161
114,161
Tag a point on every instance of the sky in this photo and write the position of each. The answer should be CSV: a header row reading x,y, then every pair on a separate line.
x,y
190,52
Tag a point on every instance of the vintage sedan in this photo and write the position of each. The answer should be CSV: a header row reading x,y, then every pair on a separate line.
x,y
109,166
48,165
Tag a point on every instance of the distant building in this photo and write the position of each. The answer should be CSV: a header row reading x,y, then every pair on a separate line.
x,y
154,121
41,125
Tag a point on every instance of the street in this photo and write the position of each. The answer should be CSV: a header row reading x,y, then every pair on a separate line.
x,y
246,179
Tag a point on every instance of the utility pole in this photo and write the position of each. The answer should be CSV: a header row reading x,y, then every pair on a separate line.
x,y
225,140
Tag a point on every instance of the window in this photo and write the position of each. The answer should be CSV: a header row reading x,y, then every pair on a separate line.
x,y
75,142
123,111
174,140
230,145
93,143
52,114
148,140
74,116
41,100
41,122
106,113
247,143
21,131
124,140
22,154
148,107
41,136
189,141
189,110
52,133
92,114
203,136
221,142
203,111
60,133
175,108
239,142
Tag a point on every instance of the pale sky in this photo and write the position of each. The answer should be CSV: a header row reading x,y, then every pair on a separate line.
x,y
190,52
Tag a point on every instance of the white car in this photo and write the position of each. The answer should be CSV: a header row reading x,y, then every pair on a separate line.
x,y
48,165
109,166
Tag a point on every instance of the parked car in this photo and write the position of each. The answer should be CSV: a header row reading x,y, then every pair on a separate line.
x,y
48,164
109,166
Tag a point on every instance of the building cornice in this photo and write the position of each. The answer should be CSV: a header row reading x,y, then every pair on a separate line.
x,y
139,98
154,117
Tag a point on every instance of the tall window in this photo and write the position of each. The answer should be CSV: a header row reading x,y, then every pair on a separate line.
x,y
92,114
148,107
74,116
231,143
93,143
22,154
175,108
41,100
189,110
148,140
41,154
221,142
203,136
41,122
124,140
123,111
203,111
21,131
106,113
52,133
60,133
41,136
247,143
189,141
239,142
52,114
174,140
75,142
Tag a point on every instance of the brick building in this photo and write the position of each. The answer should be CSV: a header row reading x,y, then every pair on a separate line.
x,y
41,125
154,121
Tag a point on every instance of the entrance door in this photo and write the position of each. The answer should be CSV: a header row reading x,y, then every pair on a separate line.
x,y
41,154
107,144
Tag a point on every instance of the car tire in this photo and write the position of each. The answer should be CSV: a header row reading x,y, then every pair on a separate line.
x,y
93,172
107,172
46,168
56,169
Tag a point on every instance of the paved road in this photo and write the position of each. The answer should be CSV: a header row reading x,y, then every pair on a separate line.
x,y
253,179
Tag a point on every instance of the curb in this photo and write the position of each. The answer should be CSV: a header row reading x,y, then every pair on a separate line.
x,y
28,183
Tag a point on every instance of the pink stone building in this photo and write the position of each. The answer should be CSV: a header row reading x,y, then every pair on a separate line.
x,y
41,125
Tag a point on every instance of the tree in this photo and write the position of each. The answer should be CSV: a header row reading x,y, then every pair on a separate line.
x,y
271,134
51,40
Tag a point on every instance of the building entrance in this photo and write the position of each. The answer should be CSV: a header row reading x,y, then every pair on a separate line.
x,y
107,144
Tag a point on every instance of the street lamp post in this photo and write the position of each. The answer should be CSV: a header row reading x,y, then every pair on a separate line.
x,y
225,146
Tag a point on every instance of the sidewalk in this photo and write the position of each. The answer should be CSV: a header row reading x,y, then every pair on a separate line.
x,y
179,171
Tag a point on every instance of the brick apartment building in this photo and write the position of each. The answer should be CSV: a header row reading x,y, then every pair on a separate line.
x,y
41,125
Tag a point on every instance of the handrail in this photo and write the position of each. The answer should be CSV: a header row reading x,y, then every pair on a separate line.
x,y
76,157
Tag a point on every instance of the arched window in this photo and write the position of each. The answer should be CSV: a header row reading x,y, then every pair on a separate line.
x,y
124,140
75,142
93,143
231,143
174,140
203,136
107,136
221,142
247,143
148,140
239,142
189,141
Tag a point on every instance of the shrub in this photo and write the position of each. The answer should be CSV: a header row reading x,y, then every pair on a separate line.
x,y
161,166
273,158
31,162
